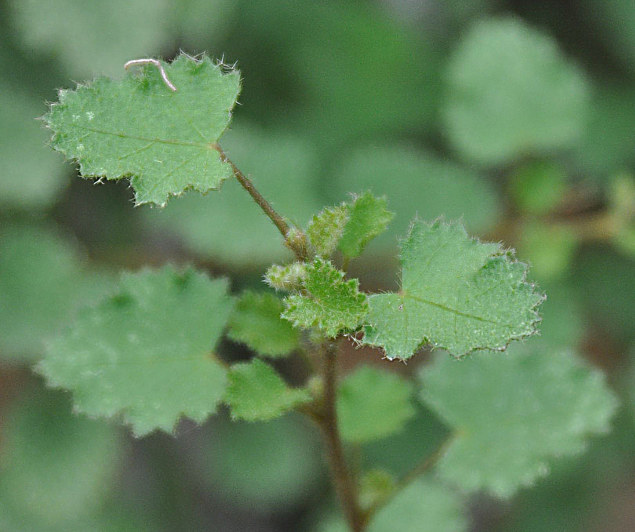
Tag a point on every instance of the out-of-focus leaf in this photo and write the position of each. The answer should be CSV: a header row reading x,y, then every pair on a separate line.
x,y
511,92
372,404
548,248
92,39
256,322
457,293
417,183
228,226
255,392
31,176
145,353
201,22
514,414
43,282
55,467
538,187
163,140
265,466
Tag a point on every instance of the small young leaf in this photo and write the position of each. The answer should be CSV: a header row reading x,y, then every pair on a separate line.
x,y
514,414
422,506
163,140
146,352
457,293
368,218
255,392
325,229
256,322
288,277
373,404
330,303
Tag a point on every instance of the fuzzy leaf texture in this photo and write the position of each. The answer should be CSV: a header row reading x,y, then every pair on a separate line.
x,y
457,294
255,392
256,322
164,141
146,353
372,404
514,414
330,302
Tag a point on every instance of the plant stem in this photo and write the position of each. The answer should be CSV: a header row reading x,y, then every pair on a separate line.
x,y
295,245
345,484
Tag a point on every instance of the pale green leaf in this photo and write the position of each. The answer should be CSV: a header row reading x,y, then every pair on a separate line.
x,y
288,277
368,218
550,249
375,487
417,183
30,174
228,226
256,322
331,303
422,506
43,282
512,92
163,140
538,187
372,404
265,466
457,293
146,353
514,414
326,228
56,467
255,392
92,39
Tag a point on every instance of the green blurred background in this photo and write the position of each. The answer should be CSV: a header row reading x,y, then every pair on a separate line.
x,y
514,116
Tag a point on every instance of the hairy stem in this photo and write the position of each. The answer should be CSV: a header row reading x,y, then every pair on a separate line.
x,y
296,245
343,479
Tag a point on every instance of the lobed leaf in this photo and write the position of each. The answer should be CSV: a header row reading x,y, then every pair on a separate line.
x,y
457,294
163,140
373,404
328,302
513,415
255,392
368,218
256,322
145,353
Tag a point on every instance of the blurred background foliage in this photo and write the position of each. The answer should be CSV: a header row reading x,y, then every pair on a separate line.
x,y
513,115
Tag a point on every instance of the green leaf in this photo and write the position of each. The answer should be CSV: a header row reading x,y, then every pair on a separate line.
x,y
265,466
32,177
457,294
538,187
420,184
512,92
552,402
145,353
326,228
228,226
288,277
163,140
368,218
422,506
373,404
255,392
256,322
331,303
56,467
43,282
70,32
550,248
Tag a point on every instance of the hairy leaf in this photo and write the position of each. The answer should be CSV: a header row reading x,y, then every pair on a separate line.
x,y
255,392
457,293
163,140
368,218
326,228
256,322
145,353
373,404
43,282
330,303
511,92
514,414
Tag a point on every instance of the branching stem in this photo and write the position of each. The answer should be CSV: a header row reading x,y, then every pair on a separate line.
x,y
345,484
294,244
